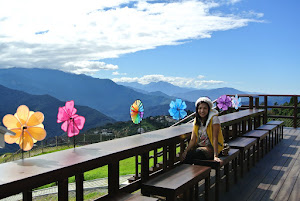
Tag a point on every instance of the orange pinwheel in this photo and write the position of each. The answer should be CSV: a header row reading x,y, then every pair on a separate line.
x,y
27,125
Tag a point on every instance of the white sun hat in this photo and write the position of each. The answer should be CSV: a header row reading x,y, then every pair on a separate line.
x,y
206,100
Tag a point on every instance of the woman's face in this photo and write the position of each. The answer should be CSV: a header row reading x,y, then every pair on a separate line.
x,y
203,110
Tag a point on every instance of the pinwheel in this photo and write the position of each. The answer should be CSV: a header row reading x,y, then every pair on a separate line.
x,y
72,122
177,109
27,125
236,102
137,111
224,102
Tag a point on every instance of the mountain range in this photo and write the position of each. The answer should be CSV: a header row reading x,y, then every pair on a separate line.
x,y
101,94
163,87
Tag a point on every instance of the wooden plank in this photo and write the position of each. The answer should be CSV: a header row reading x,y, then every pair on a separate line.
x,y
289,178
273,181
295,195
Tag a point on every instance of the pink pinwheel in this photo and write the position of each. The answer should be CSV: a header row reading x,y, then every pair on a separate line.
x,y
224,102
72,121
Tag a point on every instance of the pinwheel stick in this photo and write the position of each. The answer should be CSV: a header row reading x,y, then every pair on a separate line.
x,y
22,146
140,127
74,141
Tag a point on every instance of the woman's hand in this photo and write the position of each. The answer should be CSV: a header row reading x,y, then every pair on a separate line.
x,y
217,159
183,156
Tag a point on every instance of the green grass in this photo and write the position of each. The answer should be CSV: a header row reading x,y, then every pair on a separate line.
x,y
90,195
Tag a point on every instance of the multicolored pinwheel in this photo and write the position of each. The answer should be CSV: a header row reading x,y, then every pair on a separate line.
x,y
236,102
224,102
73,123
27,125
137,111
177,109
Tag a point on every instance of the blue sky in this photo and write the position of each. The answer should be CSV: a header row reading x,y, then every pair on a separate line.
x,y
250,45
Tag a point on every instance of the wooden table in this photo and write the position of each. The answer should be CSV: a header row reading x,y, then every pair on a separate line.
x,y
177,181
232,119
244,144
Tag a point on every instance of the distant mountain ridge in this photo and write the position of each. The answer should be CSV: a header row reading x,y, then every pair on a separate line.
x,y
101,94
188,94
12,99
211,93
161,86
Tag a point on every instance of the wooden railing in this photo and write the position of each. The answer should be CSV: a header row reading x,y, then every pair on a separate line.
x,y
255,102
22,176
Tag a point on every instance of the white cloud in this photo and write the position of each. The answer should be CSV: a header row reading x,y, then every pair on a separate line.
x,y
200,76
117,73
53,33
88,67
177,81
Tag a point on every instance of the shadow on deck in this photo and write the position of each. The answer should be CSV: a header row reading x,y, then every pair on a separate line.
x,y
275,177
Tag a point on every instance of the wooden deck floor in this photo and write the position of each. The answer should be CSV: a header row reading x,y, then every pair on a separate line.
x,y
275,177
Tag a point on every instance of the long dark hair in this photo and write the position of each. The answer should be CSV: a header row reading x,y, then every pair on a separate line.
x,y
198,117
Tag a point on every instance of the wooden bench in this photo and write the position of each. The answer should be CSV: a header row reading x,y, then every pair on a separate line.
x,y
280,125
128,197
271,129
244,144
178,181
260,135
232,156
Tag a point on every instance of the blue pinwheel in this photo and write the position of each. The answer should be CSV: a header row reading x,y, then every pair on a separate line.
x,y
177,109
236,102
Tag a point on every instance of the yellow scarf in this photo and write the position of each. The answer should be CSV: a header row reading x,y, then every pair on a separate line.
x,y
210,135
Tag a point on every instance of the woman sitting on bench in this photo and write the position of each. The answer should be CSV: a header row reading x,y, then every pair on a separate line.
x,y
207,139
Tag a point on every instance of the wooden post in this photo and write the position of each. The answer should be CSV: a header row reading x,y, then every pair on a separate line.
x,y
257,102
79,186
155,158
113,178
63,192
165,157
226,133
27,195
250,102
144,168
265,119
295,110
136,166
249,124
243,127
172,154
234,132
56,141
